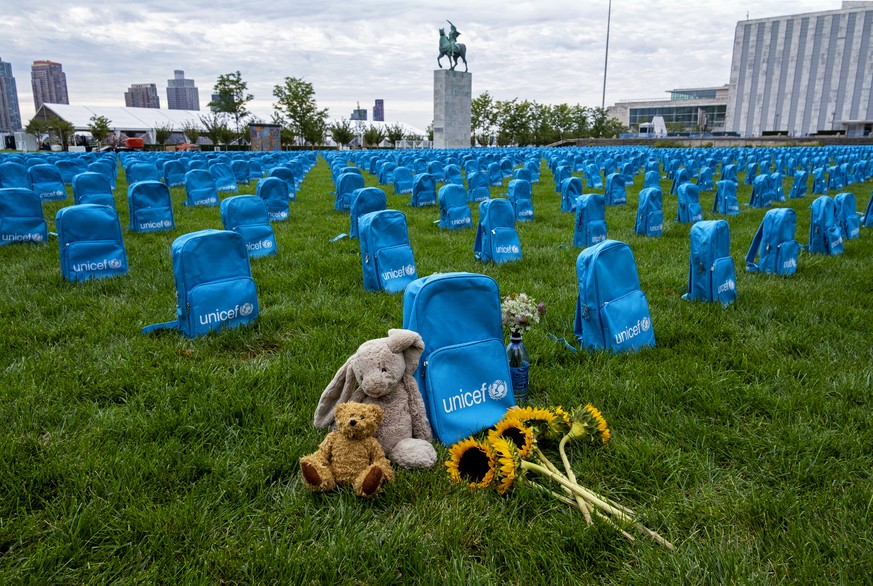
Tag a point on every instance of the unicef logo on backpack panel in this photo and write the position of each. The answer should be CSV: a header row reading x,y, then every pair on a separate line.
x,y
514,249
34,237
404,271
222,315
265,244
103,265
629,333
728,285
496,391
155,225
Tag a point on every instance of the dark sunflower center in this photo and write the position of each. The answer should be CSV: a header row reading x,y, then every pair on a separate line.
x,y
514,435
474,465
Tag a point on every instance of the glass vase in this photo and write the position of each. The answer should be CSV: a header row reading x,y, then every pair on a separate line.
x,y
519,366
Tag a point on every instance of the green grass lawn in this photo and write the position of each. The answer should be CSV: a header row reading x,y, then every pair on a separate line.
x,y
745,436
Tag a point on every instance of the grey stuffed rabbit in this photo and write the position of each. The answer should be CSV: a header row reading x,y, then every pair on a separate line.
x,y
381,372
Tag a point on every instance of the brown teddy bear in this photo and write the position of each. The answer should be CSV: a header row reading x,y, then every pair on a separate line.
x,y
381,372
350,454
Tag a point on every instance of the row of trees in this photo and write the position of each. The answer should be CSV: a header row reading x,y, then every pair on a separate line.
x,y
500,122
524,122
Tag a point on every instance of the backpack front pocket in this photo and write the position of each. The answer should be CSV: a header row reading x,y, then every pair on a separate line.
x,y
626,322
93,259
724,280
834,240
153,219
505,245
596,232
220,304
260,240
655,223
786,257
467,388
395,267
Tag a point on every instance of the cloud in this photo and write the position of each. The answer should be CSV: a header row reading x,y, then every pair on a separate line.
x,y
551,52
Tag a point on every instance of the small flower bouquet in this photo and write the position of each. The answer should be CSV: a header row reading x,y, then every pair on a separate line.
x,y
520,312
511,451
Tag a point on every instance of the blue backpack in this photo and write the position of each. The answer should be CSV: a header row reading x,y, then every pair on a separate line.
x,y
150,207
46,181
247,216
571,188
762,192
387,261
612,313
214,285
726,198
590,225
477,185
616,195
200,188
364,201
90,241
520,193
868,214
423,190
496,237
463,375
346,184
689,210
775,243
21,216
847,215
454,212
274,192
650,212
825,236
711,272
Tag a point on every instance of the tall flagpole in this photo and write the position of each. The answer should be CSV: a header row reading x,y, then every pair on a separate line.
x,y
606,57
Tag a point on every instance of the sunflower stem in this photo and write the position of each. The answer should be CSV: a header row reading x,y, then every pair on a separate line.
x,y
572,478
575,505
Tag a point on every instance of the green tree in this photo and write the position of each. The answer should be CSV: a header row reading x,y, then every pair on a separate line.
x,y
215,128
514,122
38,127
562,120
603,125
191,132
579,122
295,102
342,133
231,98
483,118
394,133
286,135
99,128
162,133
373,136
429,131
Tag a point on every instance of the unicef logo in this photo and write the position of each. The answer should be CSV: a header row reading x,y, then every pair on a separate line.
x,y
498,390
166,223
37,237
645,324
246,309
514,249
409,270
114,264
268,244
731,285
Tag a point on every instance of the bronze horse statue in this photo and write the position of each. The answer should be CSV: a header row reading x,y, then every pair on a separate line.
x,y
452,49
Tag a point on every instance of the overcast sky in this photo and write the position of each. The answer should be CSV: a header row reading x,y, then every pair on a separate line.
x,y
550,51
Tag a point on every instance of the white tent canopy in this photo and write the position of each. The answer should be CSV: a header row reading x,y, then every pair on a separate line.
x,y
122,118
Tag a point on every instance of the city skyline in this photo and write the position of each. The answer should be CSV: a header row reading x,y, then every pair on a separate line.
x,y
546,53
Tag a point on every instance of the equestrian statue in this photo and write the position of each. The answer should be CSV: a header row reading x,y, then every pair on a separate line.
x,y
450,48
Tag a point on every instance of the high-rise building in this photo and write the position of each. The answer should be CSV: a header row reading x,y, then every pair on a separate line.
x,y
10,115
379,111
804,73
359,114
49,83
182,94
142,95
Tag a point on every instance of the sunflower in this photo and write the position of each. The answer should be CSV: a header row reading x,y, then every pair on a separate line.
x,y
508,463
541,420
513,430
561,423
471,462
588,423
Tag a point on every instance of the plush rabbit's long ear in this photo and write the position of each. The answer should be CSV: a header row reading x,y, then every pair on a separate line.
x,y
408,343
338,391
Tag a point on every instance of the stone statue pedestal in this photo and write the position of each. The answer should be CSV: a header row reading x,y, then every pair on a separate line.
x,y
452,103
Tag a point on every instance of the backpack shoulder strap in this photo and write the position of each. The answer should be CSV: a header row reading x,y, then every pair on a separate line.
x,y
167,325
753,249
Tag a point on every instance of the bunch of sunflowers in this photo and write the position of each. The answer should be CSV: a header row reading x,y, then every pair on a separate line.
x,y
511,450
